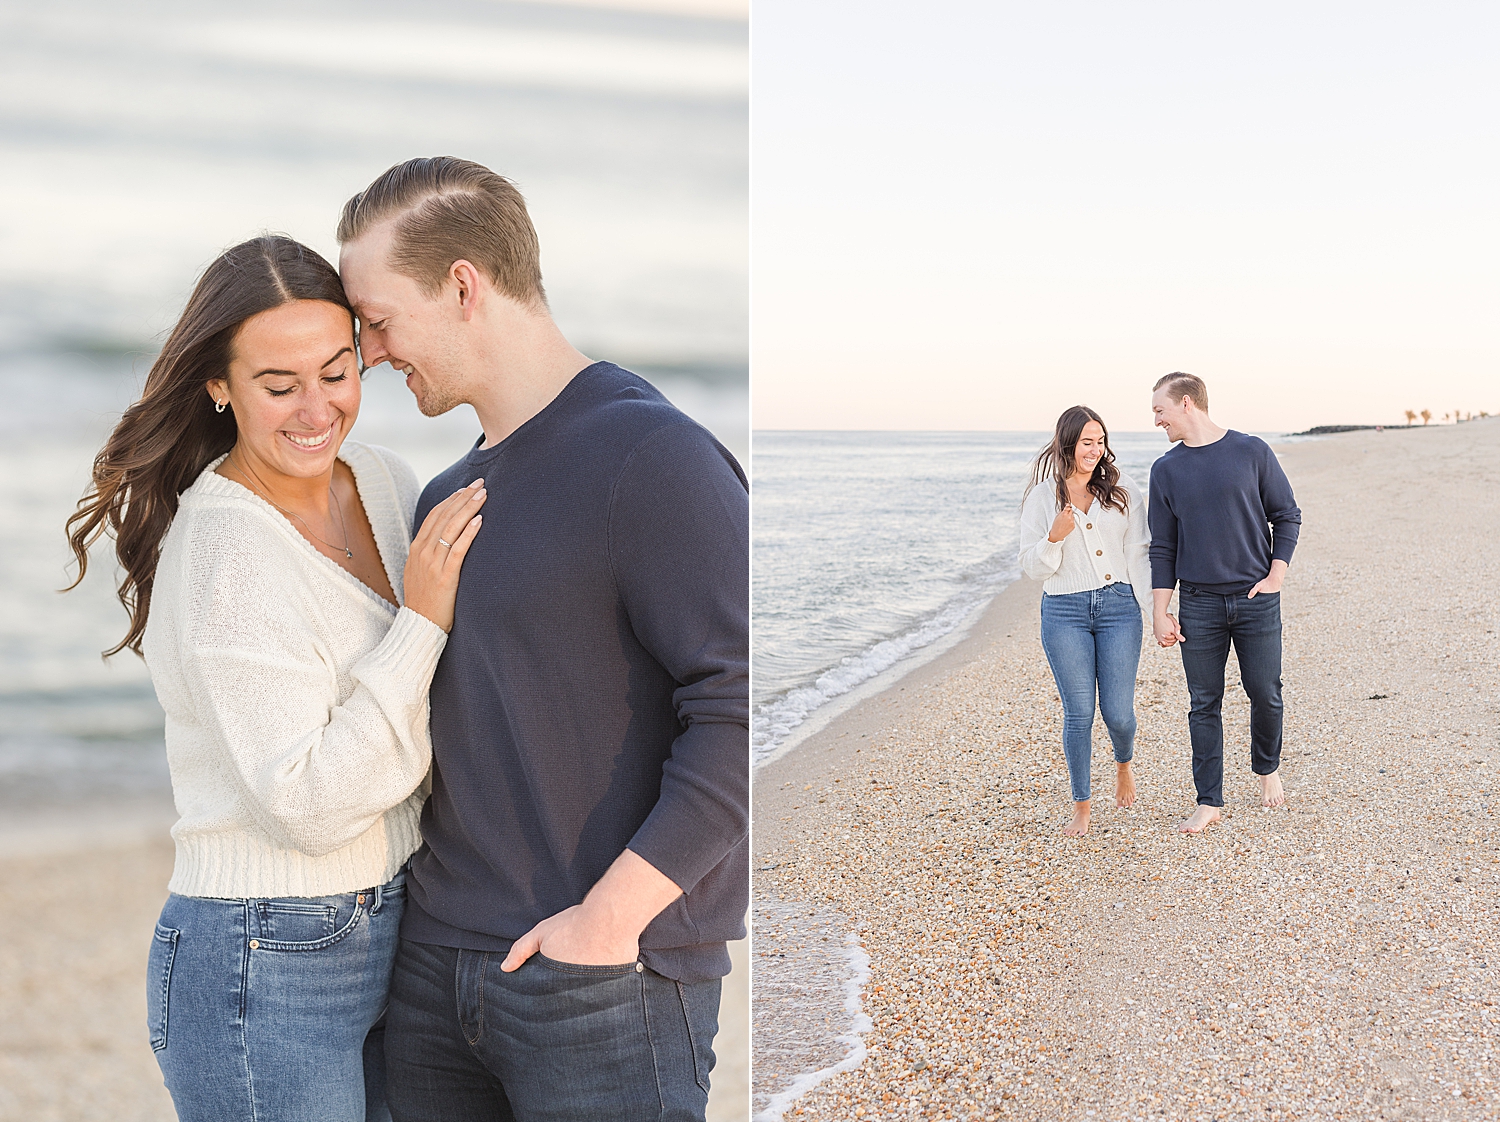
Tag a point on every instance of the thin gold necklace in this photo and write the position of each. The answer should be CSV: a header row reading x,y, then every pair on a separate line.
x,y
264,493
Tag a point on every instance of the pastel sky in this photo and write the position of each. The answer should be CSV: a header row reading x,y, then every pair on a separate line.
x,y
969,215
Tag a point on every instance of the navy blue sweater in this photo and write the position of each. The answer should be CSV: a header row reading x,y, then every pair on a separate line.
x,y
1220,514
594,692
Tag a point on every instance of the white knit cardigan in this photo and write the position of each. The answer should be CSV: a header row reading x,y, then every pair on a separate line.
x,y
1105,546
295,696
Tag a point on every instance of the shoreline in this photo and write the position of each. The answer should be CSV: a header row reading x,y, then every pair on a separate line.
x,y
829,749
835,707
822,834
834,751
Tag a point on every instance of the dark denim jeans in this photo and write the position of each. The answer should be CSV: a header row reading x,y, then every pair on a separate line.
x,y
551,1042
1210,622
270,1009
1093,644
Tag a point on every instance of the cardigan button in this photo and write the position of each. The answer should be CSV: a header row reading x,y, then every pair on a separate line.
x,y
1098,553
1108,577
1088,525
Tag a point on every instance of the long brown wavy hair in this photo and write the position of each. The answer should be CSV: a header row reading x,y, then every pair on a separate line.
x,y
1057,460
165,440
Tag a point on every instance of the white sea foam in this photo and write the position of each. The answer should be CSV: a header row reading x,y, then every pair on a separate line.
x,y
774,722
859,1023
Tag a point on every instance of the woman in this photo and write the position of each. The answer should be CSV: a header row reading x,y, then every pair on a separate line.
x,y
1083,532
264,560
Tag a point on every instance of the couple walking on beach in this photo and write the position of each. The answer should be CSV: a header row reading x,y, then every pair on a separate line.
x,y
447,848
1221,527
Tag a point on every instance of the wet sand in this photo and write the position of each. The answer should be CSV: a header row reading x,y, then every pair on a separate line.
x,y
81,889
1335,958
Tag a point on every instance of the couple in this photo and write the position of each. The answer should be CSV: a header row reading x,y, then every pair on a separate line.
x,y
1221,527
449,847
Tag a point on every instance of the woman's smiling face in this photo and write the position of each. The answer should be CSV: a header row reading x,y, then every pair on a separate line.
x,y
294,387
1090,447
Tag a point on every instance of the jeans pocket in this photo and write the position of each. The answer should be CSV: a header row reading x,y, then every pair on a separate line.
x,y
306,925
159,984
700,1009
578,969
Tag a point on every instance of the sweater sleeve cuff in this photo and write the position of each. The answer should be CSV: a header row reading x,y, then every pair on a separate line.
x,y
411,648
1043,559
681,845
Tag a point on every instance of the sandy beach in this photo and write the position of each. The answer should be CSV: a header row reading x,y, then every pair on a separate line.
x,y
1335,958
82,888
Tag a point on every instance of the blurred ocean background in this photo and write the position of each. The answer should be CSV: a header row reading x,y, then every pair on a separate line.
x,y
140,139
870,546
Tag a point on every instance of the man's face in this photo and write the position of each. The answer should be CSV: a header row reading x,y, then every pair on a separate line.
x,y
1171,416
418,334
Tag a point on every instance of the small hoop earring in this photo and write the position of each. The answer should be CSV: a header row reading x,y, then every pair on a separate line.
x,y
218,407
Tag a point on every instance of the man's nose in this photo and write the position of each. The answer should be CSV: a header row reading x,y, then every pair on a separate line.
x,y
372,351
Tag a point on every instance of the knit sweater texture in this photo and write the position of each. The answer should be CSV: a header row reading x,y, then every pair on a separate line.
x,y
1220,514
594,694
1104,547
295,696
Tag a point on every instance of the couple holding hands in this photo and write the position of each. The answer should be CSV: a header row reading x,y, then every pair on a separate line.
x,y
1221,527
462,771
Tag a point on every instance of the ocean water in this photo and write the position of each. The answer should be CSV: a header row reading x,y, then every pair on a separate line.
x,y
869,547
139,141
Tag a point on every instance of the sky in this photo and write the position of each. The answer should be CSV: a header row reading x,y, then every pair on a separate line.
x,y
971,215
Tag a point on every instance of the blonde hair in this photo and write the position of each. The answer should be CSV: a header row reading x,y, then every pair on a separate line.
x,y
446,209
1181,385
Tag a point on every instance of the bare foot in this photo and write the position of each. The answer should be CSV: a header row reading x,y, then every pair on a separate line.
x,y
1080,824
1199,820
1271,791
1124,787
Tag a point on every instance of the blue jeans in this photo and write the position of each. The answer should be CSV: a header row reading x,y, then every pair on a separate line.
x,y
550,1042
271,1010
1209,622
1094,639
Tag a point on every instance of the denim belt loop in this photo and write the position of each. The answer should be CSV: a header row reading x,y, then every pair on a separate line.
x,y
378,893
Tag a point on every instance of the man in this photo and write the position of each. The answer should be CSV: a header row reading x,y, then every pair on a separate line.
x,y
585,855
1223,527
